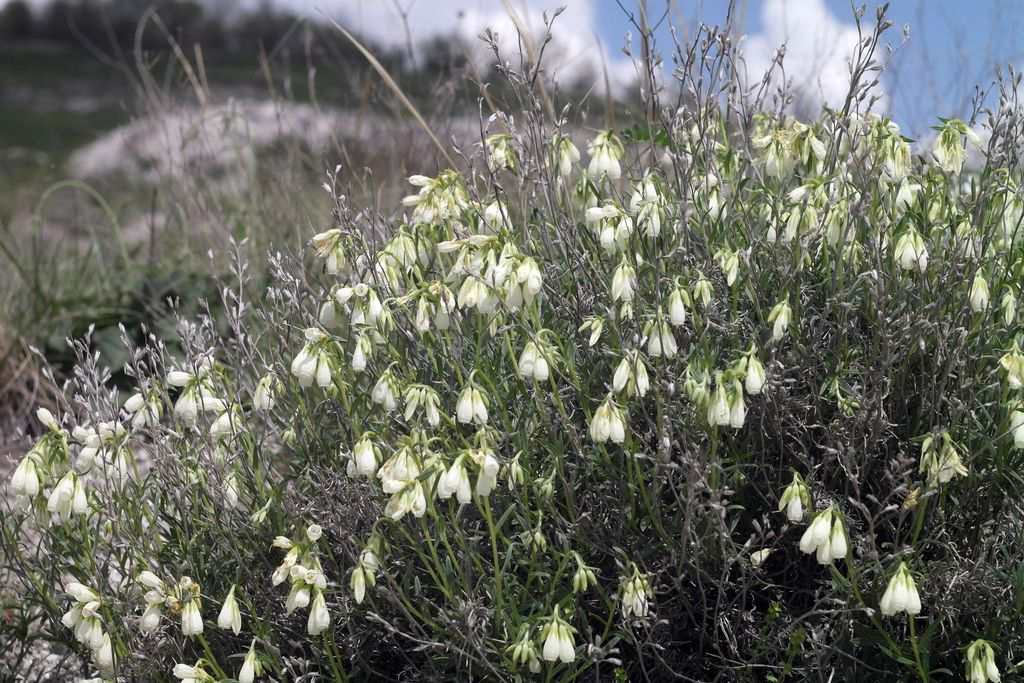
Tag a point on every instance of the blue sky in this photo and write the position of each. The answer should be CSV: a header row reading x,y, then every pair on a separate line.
x,y
953,45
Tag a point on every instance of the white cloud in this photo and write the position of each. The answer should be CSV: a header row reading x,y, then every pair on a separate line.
x,y
819,48
574,53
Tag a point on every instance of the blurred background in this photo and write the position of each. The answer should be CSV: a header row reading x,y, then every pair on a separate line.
x,y
137,139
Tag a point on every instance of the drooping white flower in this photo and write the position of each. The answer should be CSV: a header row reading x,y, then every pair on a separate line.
x,y
780,317
981,663
192,618
1017,428
313,361
608,423
385,392
719,412
1008,304
737,406
826,537
794,498
230,616
264,396
623,282
564,154
756,377
145,409
328,245
648,205
500,152
319,616
631,375
251,665
979,294
456,481
67,497
660,340
471,405
533,363
678,301
636,593
605,151
940,459
558,640
910,252
901,594
948,150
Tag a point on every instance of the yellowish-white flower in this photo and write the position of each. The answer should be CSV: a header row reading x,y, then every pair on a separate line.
x,y
28,476
523,651
328,245
565,154
678,301
660,340
794,499
780,317
756,377
366,455
901,594
703,290
533,363
558,640
910,252
729,262
500,153
719,412
385,392
192,674
364,574
596,326
471,405
67,497
1008,304
605,151
737,406
940,459
636,594
1017,427
456,481
623,282
1013,362
949,150
979,294
981,663
826,537
192,617
251,665
319,616
145,409
648,205
584,578
264,396
230,616
439,199
312,362
631,375
758,557
608,422
104,654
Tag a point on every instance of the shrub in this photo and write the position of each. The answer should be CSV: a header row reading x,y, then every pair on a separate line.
x,y
737,398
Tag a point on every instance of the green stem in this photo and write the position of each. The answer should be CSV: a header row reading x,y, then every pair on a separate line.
x,y
210,659
917,652
485,509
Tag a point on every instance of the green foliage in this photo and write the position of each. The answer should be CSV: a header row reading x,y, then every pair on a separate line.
x,y
737,400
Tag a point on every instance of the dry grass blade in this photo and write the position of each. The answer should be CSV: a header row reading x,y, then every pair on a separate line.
x,y
395,88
